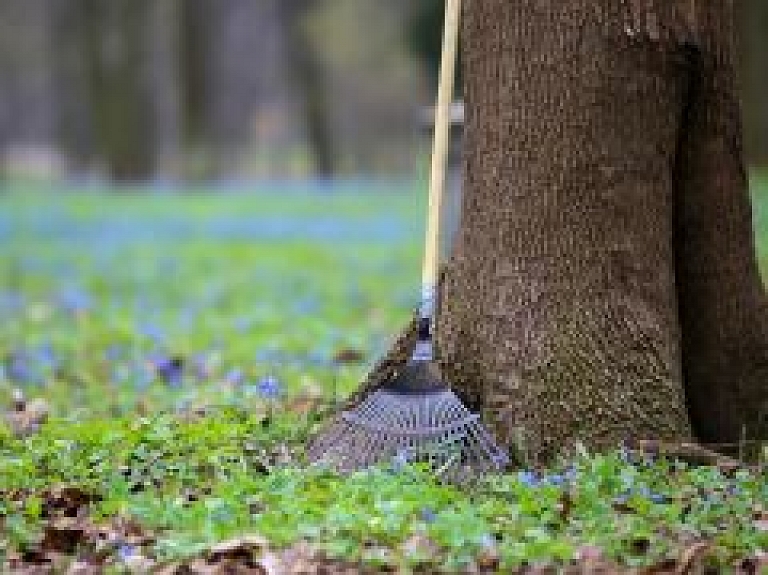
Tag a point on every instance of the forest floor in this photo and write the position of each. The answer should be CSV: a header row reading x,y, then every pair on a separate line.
x,y
163,360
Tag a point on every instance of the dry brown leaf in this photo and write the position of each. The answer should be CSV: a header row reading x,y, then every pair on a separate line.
x,y
63,536
27,417
691,556
66,501
349,355
240,555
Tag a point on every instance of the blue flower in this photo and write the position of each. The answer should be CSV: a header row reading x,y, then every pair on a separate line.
x,y
243,323
306,306
646,492
401,460
234,376
20,370
268,387
487,541
152,331
187,317
45,357
170,369
528,478
202,367
126,552
314,357
74,300
11,301
113,352
428,515
555,479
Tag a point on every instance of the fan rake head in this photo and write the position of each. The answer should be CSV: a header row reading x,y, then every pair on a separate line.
x,y
415,418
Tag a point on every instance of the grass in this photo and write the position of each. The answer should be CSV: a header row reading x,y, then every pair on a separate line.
x,y
186,347
97,289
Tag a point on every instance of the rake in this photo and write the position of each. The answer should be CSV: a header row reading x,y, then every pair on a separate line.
x,y
415,417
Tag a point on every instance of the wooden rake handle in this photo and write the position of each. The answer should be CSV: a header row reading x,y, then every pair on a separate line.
x,y
440,154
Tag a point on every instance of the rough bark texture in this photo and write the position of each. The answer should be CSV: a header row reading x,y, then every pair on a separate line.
x,y
603,180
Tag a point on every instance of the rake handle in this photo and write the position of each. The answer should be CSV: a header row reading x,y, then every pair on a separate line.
x,y
439,156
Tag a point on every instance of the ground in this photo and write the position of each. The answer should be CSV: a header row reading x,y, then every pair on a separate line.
x,y
163,357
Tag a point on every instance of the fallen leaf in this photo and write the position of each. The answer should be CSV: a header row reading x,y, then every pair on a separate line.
x,y
349,355
62,536
27,417
242,554
691,556
66,501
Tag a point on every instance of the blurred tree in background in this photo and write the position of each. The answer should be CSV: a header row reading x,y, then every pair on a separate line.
x,y
200,89
754,50
425,36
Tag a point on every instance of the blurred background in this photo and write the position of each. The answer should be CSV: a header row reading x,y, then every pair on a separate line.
x,y
143,90
189,90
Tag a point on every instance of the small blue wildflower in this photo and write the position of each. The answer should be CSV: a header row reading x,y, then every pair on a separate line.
x,y
318,358
400,460
20,370
202,367
306,306
555,479
152,331
74,300
243,323
487,541
187,318
113,352
428,515
528,478
11,301
731,489
45,357
269,387
170,369
126,552
646,492
234,376
3,376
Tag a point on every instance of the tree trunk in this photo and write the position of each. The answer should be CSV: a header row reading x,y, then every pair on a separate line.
x,y
28,110
164,81
114,49
77,130
754,24
602,285
723,307
308,79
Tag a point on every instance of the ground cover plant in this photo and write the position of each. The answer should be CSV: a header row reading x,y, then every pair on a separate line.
x,y
164,356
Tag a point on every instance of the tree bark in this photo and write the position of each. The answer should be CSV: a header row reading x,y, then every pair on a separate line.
x,y
603,285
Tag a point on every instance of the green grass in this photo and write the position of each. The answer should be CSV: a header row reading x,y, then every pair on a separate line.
x,y
194,483
261,284
100,294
